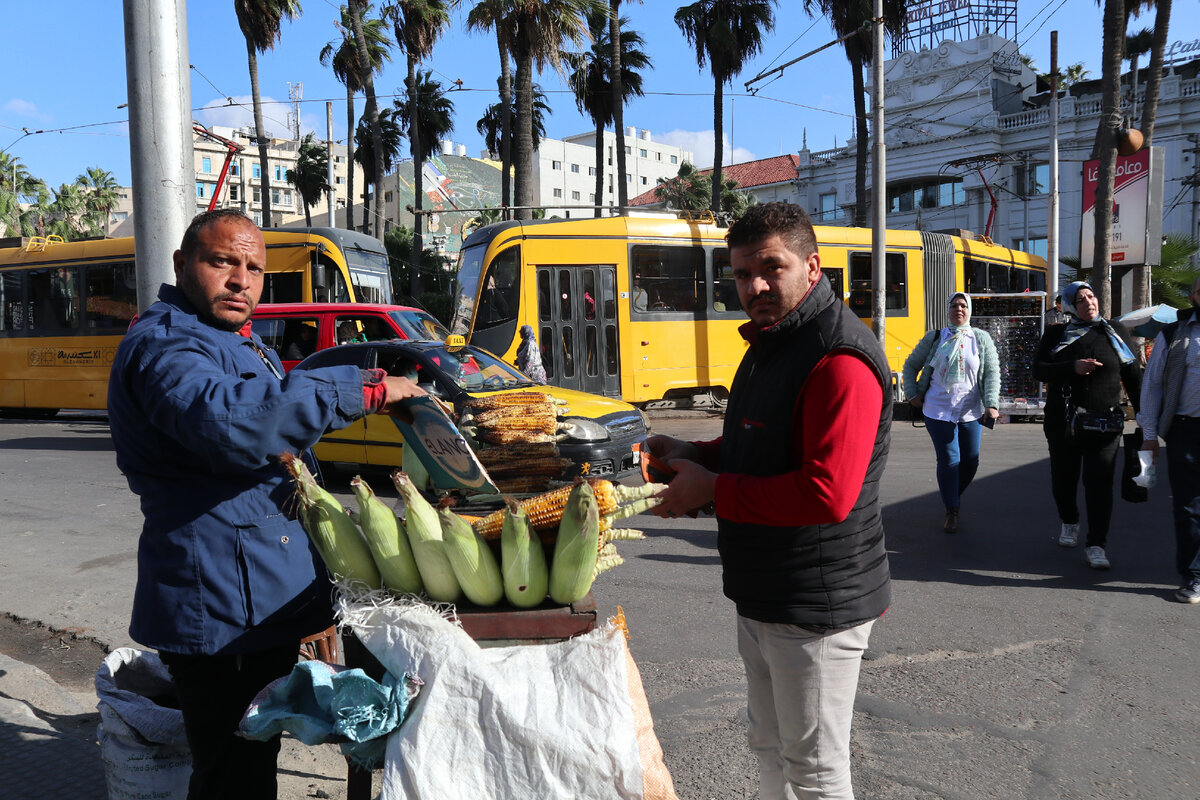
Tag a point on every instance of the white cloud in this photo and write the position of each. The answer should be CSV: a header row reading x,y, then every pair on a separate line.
x,y
700,143
25,108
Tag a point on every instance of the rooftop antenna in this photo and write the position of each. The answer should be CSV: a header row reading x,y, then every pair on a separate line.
x,y
295,94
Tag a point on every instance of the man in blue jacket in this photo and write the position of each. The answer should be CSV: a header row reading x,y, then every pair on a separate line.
x,y
199,409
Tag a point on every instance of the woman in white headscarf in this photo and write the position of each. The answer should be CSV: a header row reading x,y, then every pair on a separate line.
x,y
959,385
1084,364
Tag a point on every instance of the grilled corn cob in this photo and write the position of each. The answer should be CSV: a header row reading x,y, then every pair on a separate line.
x,y
517,451
472,561
573,565
425,535
522,559
614,501
388,543
534,416
330,529
509,399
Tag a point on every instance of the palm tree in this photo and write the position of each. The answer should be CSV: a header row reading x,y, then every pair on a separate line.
x,y
616,79
1174,278
1074,74
418,24
541,28
590,80
66,213
16,183
101,193
725,33
848,17
1162,21
343,56
490,125
260,21
1106,148
689,190
493,15
389,136
371,111
1136,45
310,176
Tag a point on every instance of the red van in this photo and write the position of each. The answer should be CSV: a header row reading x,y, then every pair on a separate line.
x,y
297,330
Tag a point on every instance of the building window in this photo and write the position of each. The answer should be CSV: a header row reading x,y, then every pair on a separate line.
x,y
904,197
575,168
574,195
591,197
256,170
234,194
674,159
555,165
592,171
341,202
258,218
628,178
235,169
827,207
275,197
200,193
1034,246
658,156
279,173
287,197
642,152
339,180
338,159
558,192
644,181
628,150
257,196
387,197
206,165
1032,181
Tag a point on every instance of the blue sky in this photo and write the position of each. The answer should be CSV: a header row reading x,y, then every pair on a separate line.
x,y
67,79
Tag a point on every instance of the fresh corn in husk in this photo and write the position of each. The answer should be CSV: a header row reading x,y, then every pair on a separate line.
x,y
412,465
522,559
388,542
474,565
329,527
614,501
424,531
573,565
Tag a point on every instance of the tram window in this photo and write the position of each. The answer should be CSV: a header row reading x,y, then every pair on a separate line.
x,y
54,299
12,302
725,294
837,280
1037,281
589,294
499,299
895,276
975,276
568,352
666,279
591,345
609,298
564,295
283,287
610,349
544,294
111,295
547,339
998,278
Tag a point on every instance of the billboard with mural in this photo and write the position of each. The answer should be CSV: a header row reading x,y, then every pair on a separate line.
x,y
1137,209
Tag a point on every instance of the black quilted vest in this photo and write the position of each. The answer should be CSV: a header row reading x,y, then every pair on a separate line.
x,y
823,576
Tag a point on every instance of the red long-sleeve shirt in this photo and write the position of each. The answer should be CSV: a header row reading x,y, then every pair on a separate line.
x,y
832,442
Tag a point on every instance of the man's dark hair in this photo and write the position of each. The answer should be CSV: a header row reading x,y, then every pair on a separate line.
x,y
788,221
202,221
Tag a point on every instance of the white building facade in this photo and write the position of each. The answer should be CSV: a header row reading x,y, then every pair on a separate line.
x,y
564,171
964,125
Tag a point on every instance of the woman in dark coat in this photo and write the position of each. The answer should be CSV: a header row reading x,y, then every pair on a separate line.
x,y
1085,362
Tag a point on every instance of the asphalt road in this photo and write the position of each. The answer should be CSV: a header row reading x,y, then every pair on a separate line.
x,y
1005,667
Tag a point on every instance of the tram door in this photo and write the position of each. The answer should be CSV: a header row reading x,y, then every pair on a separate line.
x,y
577,317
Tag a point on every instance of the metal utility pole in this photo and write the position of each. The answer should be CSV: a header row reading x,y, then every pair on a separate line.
x,y
878,185
160,137
331,204
1052,220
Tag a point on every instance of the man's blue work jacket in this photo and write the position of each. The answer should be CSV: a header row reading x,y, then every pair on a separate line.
x,y
198,417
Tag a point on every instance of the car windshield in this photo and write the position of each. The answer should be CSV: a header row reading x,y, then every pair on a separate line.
x,y
419,325
475,370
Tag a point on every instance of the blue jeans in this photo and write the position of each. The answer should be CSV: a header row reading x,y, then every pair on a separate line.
x,y
957,448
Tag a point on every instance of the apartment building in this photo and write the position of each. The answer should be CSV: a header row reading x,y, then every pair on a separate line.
x,y
564,171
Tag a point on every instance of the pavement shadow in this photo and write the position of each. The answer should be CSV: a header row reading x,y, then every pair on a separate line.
x,y
47,756
1008,531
